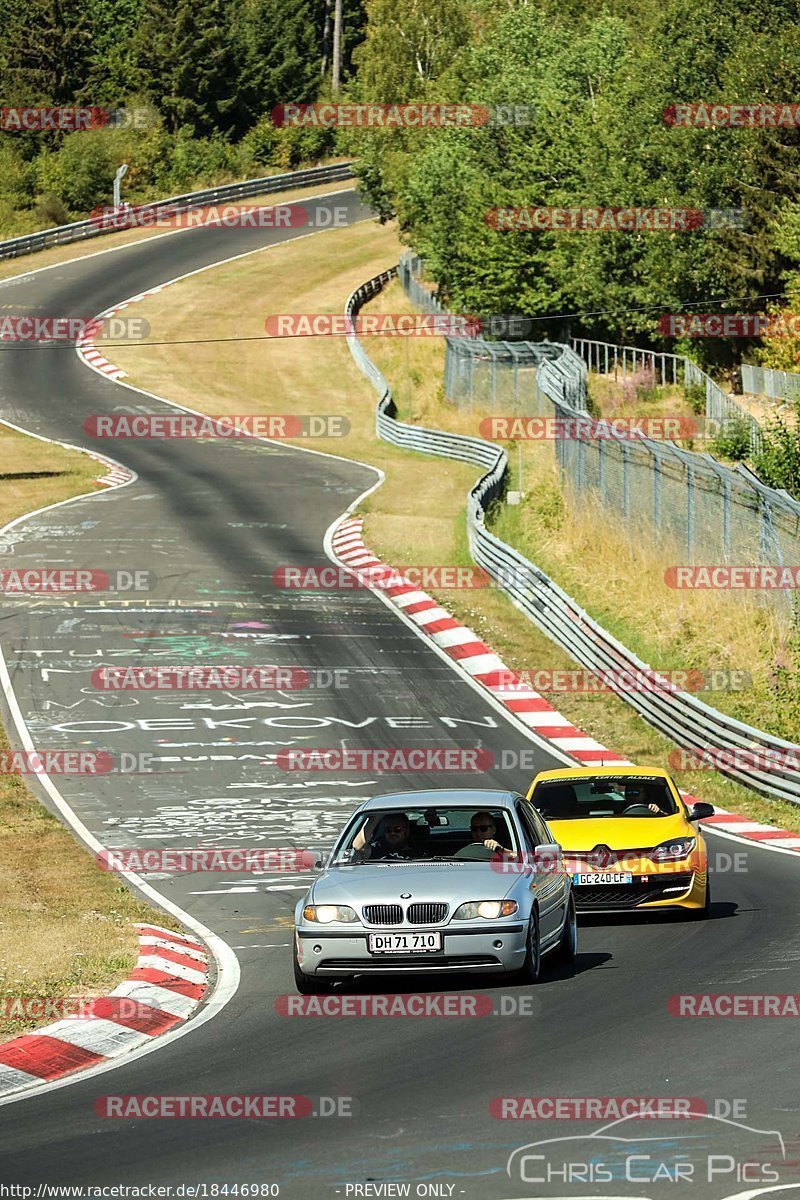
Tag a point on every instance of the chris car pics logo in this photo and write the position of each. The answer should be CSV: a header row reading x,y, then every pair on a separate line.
x,y
646,1159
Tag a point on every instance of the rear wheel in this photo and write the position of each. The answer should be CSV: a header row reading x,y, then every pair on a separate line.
x,y
308,985
531,968
567,949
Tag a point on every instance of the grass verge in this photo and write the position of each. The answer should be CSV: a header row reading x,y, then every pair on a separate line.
x,y
286,375
66,927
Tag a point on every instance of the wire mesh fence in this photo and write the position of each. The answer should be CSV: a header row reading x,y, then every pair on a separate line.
x,y
765,381
624,361
497,374
707,513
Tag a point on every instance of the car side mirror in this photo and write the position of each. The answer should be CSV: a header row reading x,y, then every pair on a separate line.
x,y
548,857
315,857
700,811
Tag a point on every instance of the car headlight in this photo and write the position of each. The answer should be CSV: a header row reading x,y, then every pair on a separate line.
x,y
489,909
325,914
672,851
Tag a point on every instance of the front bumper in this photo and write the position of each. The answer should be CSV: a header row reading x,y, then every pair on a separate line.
x,y
334,952
660,889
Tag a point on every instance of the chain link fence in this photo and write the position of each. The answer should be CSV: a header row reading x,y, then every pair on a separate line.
x,y
764,381
625,361
498,375
706,512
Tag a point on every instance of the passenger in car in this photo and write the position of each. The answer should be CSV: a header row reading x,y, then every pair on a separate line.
x,y
385,836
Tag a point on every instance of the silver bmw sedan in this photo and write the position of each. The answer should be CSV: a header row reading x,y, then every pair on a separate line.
x,y
436,881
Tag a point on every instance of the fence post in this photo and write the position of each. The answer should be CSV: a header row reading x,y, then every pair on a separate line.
x,y
656,492
601,470
626,483
726,519
689,510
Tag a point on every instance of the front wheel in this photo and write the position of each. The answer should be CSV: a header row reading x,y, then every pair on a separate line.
x,y
567,949
702,914
531,968
308,985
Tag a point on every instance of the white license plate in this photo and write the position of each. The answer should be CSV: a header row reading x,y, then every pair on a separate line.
x,y
589,877
404,943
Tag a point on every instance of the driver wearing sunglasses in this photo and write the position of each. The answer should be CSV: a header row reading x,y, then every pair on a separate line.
x,y
483,829
385,837
635,794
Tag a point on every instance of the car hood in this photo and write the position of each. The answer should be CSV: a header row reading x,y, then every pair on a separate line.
x,y
368,883
619,833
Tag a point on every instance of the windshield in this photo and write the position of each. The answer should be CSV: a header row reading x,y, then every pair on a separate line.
x,y
436,834
604,796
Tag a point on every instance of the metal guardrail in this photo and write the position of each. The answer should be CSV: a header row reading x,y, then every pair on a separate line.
x,y
79,230
767,381
686,720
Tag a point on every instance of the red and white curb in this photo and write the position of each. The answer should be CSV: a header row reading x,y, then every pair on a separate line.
x,y
752,831
87,350
168,982
472,655
484,666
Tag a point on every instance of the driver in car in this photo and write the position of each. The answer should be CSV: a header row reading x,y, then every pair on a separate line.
x,y
483,829
385,836
635,794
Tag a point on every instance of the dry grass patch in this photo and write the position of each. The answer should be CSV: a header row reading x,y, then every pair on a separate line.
x,y
34,474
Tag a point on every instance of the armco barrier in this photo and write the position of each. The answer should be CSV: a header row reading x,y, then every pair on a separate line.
x,y
681,716
79,230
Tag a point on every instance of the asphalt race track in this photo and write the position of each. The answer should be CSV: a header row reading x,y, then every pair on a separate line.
x,y
212,520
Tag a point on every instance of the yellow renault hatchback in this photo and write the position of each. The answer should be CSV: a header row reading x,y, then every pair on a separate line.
x,y
629,841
